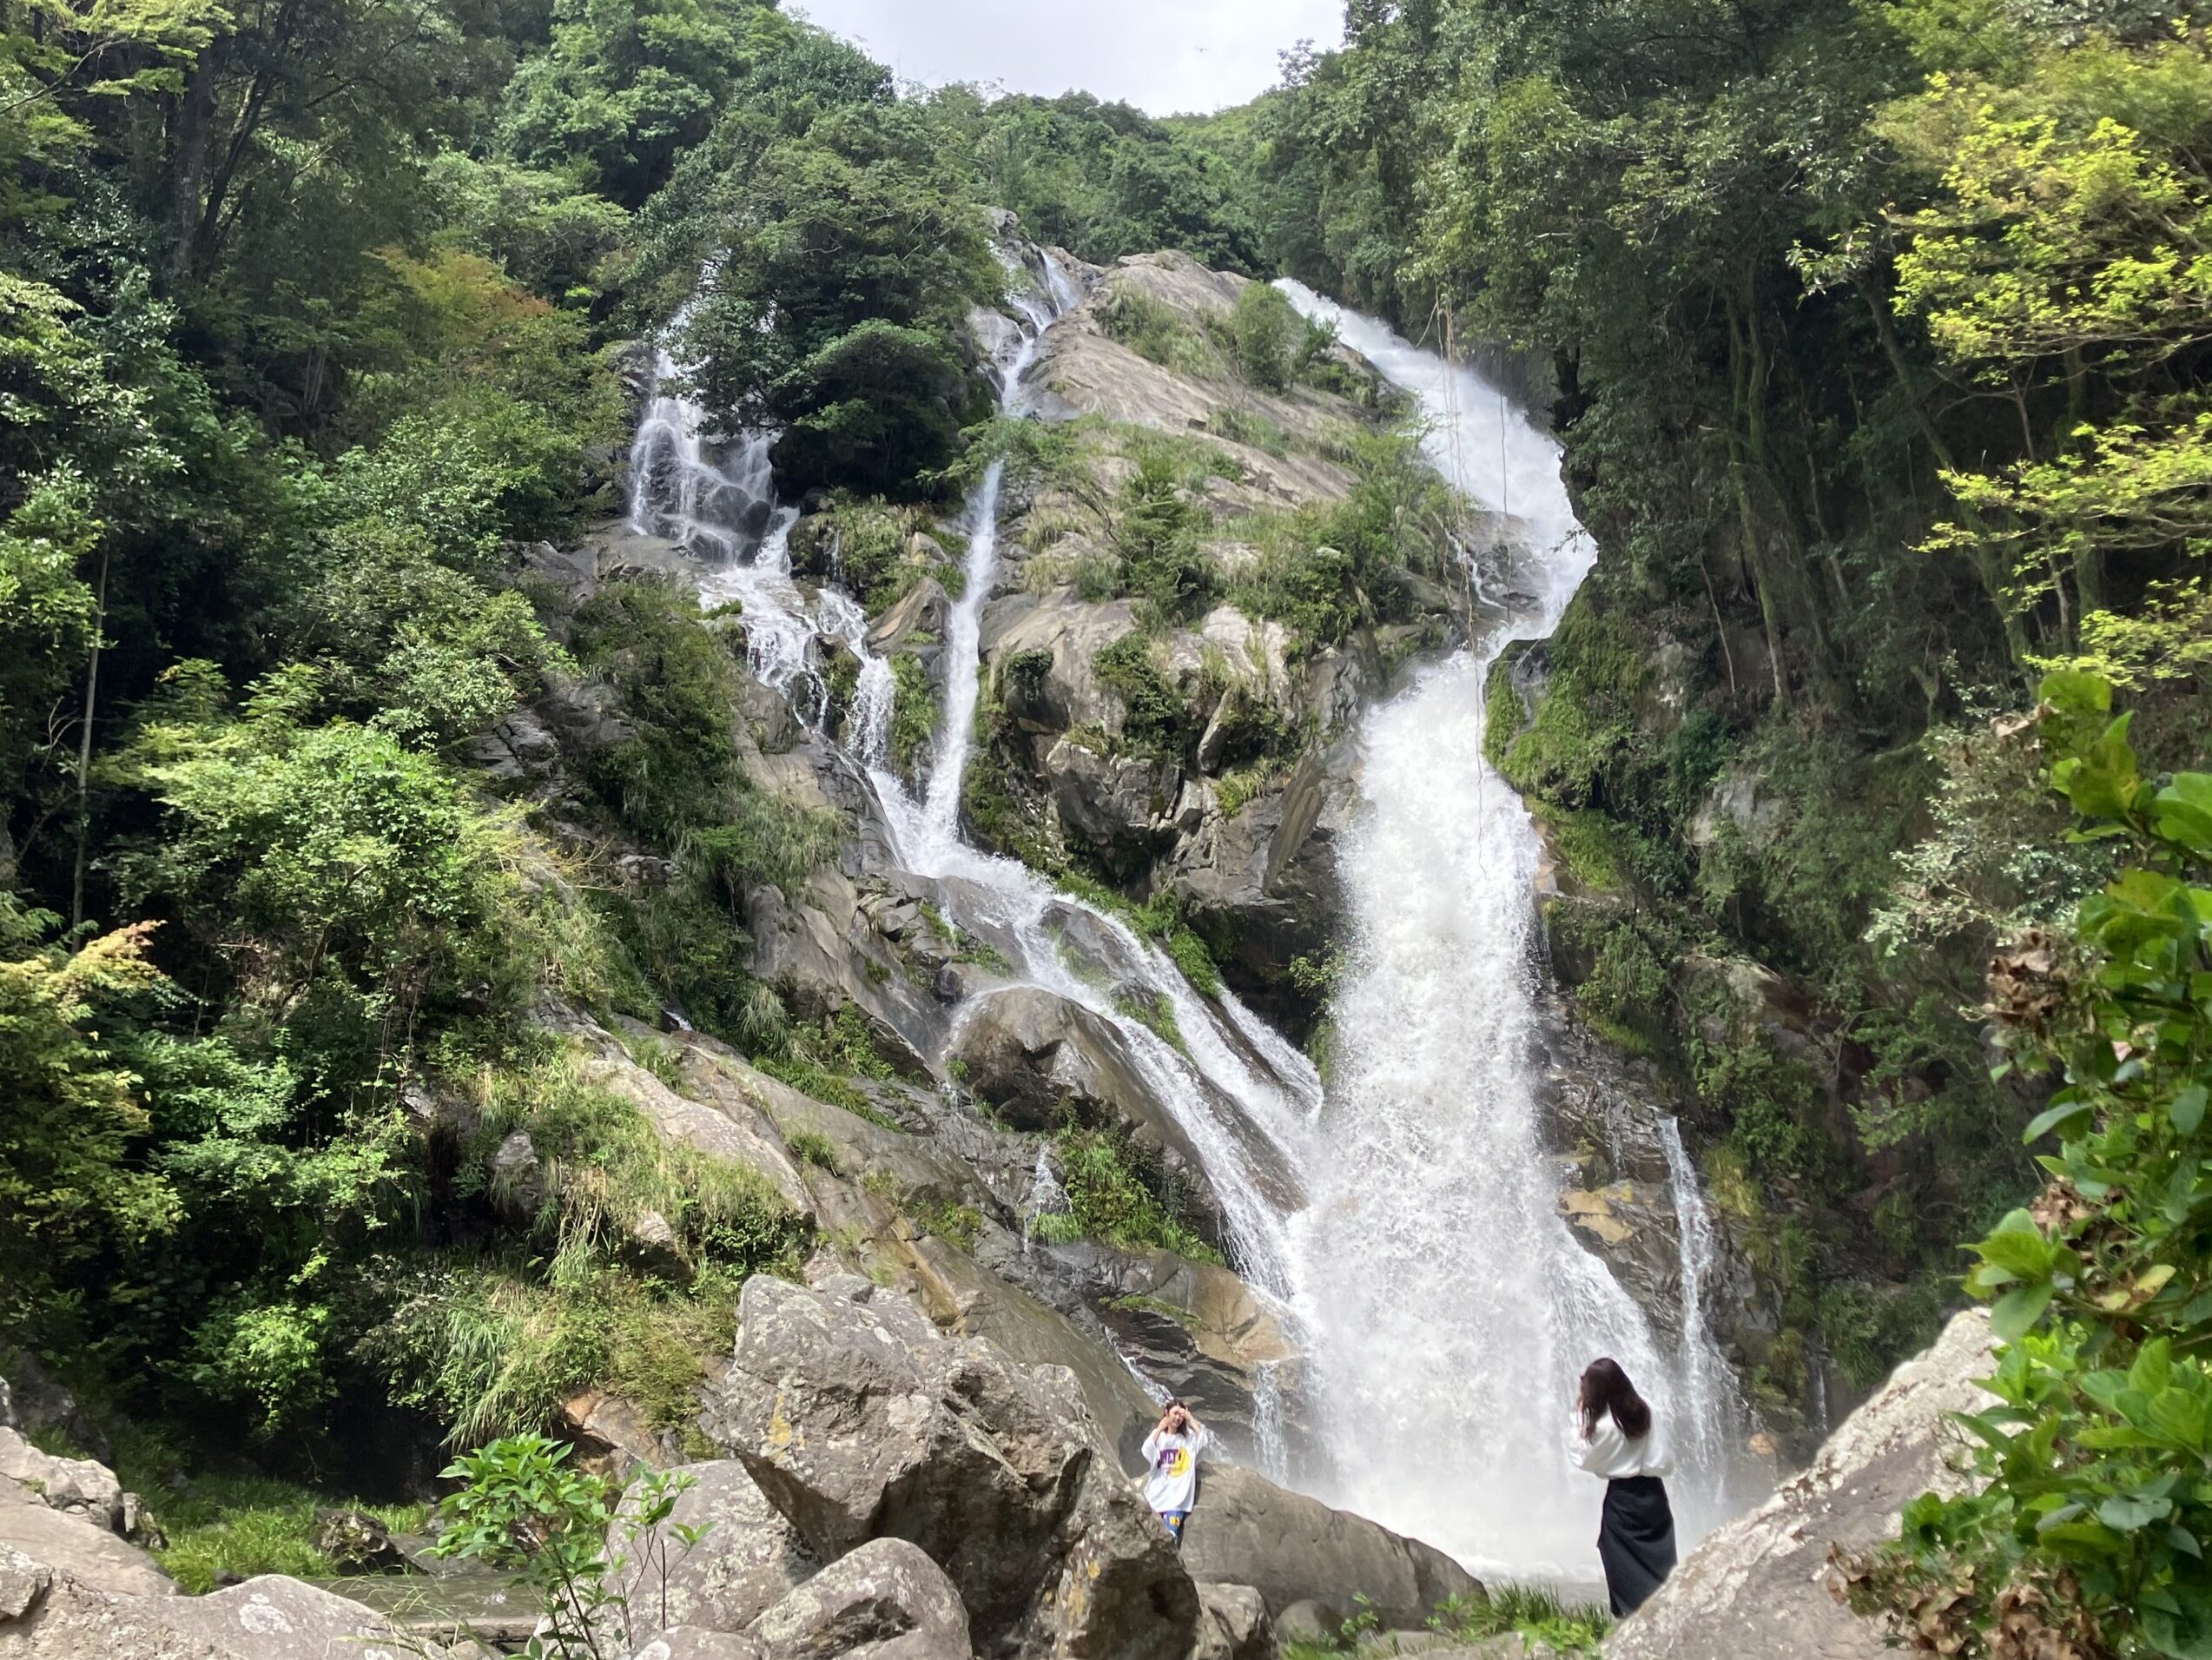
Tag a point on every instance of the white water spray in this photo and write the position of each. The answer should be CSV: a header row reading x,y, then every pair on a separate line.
x,y
1447,1308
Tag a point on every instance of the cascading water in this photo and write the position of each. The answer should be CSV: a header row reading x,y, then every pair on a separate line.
x,y
1442,1308
1446,1308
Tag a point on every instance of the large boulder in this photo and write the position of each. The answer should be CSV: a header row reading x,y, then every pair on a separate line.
x,y
1291,1549
1113,802
75,1486
886,1601
1761,1585
1233,1624
84,1551
861,1421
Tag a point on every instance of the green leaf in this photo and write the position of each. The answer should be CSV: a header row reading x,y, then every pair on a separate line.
x,y
2051,1117
2187,1109
2016,1312
2076,692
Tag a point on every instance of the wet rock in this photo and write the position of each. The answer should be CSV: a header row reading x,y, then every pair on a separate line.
x,y
918,621
1042,650
1292,1549
824,955
1113,802
355,1541
1039,1059
1263,881
861,1421
1194,1328
1762,1584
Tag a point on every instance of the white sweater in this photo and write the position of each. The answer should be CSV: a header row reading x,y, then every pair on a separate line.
x,y
1610,1454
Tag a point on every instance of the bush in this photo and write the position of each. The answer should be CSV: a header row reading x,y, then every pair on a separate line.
x,y
1266,330
1107,1199
1156,532
1154,712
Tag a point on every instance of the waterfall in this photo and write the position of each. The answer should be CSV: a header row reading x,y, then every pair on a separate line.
x,y
1404,1228
1446,1308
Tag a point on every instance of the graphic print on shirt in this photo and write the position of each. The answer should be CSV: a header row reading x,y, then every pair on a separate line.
x,y
1174,1462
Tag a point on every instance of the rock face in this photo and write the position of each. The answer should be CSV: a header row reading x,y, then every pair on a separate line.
x,y
1760,1586
1036,1057
1291,1549
861,1421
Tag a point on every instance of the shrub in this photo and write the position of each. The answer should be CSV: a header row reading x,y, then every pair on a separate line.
x,y
598,1558
1156,532
1107,1200
1266,330
1153,713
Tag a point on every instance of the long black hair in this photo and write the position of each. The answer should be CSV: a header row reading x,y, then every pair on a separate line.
x,y
1605,1389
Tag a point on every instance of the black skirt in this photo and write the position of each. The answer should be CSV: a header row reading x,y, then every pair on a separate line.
x,y
1635,1541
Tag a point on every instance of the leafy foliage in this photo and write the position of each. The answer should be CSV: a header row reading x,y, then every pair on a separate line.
x,y
522,1502
2094,1454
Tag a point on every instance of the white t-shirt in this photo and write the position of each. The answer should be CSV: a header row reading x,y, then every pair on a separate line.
x,y
1613,1456
1171,1468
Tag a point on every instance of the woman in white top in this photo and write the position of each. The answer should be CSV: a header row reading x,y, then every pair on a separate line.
x,y
1172,1467
1617,1439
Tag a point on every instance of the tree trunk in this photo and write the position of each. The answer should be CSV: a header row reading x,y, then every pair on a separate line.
x,y
84,748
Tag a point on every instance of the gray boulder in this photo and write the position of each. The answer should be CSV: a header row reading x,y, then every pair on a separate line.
x,y
750,1558
861,1421
1232,1624
697,1643
74,1486
1761,1585
1291,1549
1120,802
84,1550
270,1618
886,1601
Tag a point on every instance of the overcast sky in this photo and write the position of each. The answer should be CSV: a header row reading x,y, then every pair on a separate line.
x,y
1167,57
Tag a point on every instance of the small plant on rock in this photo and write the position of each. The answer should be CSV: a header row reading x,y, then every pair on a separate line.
x,y
522,1503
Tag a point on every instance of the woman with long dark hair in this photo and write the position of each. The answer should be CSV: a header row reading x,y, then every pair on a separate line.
x,y
1618,1440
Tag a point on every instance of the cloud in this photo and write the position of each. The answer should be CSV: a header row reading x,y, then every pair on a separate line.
x,y
1166,56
